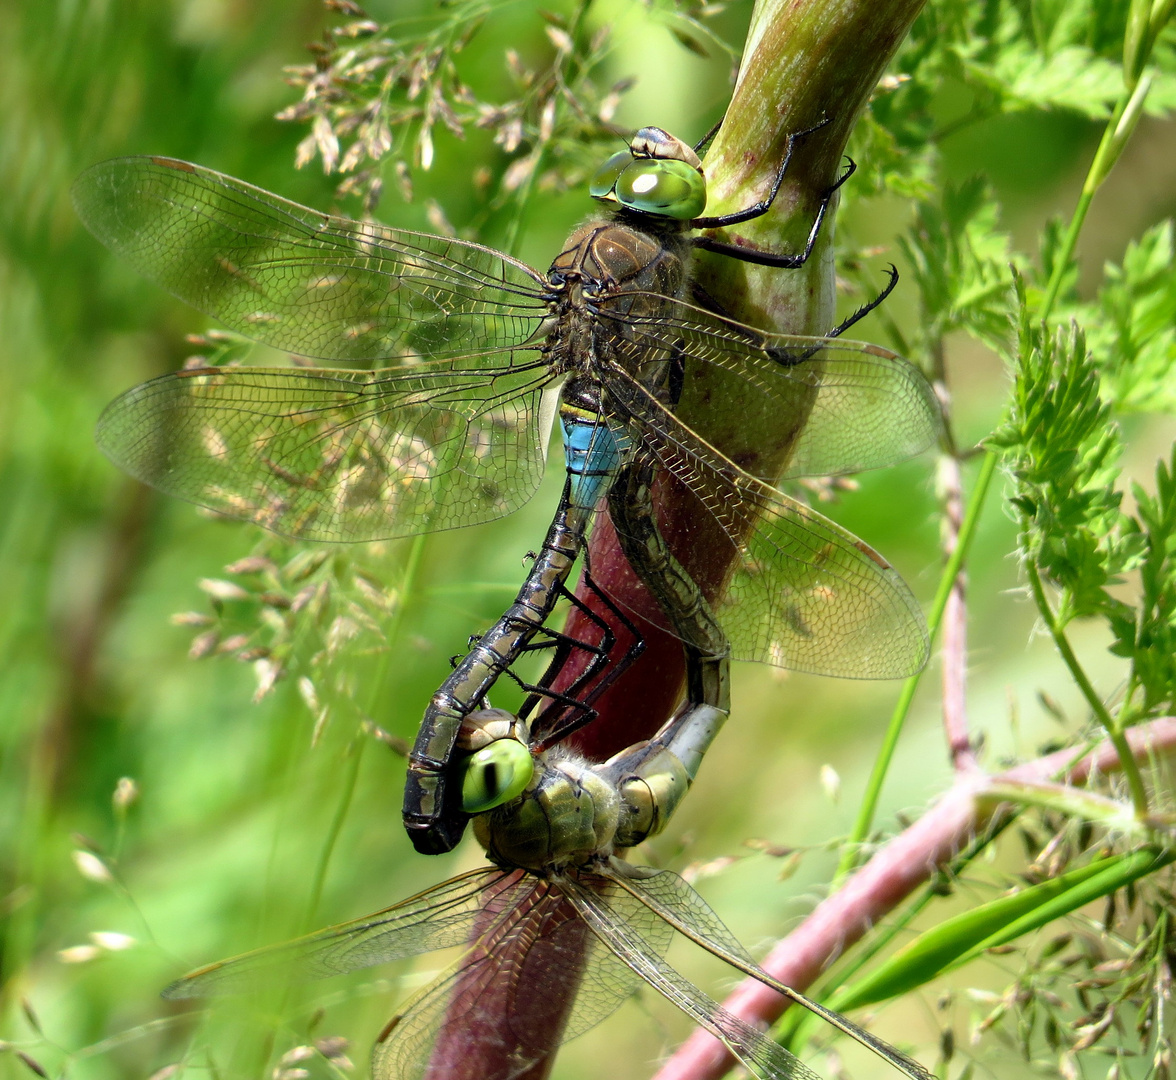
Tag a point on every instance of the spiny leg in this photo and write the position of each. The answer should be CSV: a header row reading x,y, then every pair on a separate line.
x,y
546,730
867,307
767,258
764,205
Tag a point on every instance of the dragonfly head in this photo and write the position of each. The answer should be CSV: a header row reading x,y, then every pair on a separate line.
x,y
567,815
533,810
499,765
658,175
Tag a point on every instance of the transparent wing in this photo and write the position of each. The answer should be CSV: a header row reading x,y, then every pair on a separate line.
x,y
807,594
678,902
810,596
672,899
501,1007
305,281
844,405
621,922
337,456
438,918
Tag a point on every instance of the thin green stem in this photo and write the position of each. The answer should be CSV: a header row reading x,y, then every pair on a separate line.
x,y
342,808
360,740
514,229
951,570
1118,131
1065,254
412,565
1113,730
796,1026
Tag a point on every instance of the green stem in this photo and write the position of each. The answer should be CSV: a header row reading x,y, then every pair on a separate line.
x,y
951,570
360,740
346,794
1113,730
1118,131
1065,254
795,1026
1114,139
380,690
515,225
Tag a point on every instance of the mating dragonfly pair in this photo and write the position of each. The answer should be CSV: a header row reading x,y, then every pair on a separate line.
x,y
481,351
559,930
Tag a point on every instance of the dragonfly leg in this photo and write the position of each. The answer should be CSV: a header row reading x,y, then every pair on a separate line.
x,y
789,357
547,729
780,260
574,697
760,208
705,141
866,308
564,646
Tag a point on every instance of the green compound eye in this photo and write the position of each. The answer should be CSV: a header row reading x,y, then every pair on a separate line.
x,y
494,775
664,187
608,174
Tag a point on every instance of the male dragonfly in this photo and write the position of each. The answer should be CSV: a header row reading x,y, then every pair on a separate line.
x,y
560,930
472,353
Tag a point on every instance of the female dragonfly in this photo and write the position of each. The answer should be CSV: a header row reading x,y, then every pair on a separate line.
x,y
559,930
469,354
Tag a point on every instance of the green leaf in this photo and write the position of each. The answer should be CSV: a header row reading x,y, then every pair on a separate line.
x,y
1133,324
1072,78
960,259
966,936
1062,446
1150,638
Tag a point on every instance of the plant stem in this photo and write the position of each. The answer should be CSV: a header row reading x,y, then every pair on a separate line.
x,y
893,873
346,794
1118,131
1113,730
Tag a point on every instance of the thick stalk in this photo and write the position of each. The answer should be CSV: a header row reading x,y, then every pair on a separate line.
x,y
804,62
1113,730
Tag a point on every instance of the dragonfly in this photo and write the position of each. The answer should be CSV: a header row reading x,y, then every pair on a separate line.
x,y
460,359
559,930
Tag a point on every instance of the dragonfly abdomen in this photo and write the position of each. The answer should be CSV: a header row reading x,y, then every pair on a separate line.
x,y
431,810
593,454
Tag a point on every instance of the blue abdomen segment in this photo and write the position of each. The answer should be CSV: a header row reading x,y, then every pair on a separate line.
x,y
593,454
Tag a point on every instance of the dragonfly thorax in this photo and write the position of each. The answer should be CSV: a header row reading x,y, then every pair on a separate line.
x,y
611,283
609,257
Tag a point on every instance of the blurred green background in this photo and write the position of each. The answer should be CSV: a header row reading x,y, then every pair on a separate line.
x,y
243,809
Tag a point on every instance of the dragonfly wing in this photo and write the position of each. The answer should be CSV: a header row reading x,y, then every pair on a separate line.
x,y
507,1003
337,456
844,406
620,921
674,900
438,918
305,281
810,596
806,594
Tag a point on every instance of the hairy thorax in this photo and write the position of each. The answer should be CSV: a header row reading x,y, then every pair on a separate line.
x,y
608,270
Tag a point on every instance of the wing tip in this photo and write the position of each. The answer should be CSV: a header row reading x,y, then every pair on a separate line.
x,y
180,990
